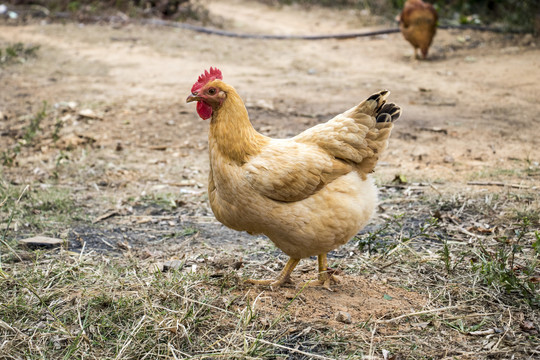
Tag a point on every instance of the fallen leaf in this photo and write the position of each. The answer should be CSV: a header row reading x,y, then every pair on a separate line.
x,y
124,245
400,179
480,229
42,241
146,253
527,326
435,130
237,264
72,141
105,216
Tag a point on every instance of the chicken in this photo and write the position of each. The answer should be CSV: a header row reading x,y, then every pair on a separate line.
x,y
418,24
309,194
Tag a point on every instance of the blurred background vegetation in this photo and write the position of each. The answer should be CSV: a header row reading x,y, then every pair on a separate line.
x,y
521,15
169,9
517,15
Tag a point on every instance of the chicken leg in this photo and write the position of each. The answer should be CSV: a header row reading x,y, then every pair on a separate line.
x,y
283,277
325,275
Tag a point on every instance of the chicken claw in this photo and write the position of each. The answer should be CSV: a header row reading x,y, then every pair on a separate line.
x,y
283,277
326,275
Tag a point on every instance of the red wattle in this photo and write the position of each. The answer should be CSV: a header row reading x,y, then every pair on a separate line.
x,y
204,110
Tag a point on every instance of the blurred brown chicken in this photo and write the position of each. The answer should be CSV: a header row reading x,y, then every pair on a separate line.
x,y
418,24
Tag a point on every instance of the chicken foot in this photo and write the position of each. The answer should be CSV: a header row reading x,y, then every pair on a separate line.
x,y
283,277
326,276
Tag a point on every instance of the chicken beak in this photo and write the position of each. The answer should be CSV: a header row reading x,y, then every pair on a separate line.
x,y
193,97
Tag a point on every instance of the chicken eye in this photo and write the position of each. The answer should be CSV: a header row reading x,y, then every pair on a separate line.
x,y
212,91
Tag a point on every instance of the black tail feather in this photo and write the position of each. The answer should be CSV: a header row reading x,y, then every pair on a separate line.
x,y
388,112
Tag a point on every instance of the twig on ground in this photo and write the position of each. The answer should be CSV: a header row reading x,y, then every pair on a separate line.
x,y
131,336
466,232
468,316
311,355
435,188
105,216
506,331
107,243
371,348
496,183
420,313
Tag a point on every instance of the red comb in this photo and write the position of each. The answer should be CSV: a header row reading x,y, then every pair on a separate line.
x,y
205,78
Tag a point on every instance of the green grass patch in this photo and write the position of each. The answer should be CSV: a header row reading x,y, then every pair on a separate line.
x,y
29,133
36,210
17,53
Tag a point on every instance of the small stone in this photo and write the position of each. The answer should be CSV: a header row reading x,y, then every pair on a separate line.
x,y
173,265
264,104
527,40
66,105
344,317
87,113
448,159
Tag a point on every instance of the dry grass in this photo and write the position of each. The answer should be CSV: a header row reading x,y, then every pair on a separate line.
x,y
481,284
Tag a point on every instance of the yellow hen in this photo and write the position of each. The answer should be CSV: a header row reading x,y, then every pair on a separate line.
x,y
308,194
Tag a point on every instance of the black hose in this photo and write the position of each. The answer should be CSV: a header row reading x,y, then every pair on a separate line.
x,y
213,31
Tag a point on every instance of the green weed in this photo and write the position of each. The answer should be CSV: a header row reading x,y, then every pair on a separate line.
x,y
189,231
397,231
462,326
8,156
48,210
500,268
162,202
17,52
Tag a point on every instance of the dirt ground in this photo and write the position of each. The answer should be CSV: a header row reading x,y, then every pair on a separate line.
x,y
470,114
